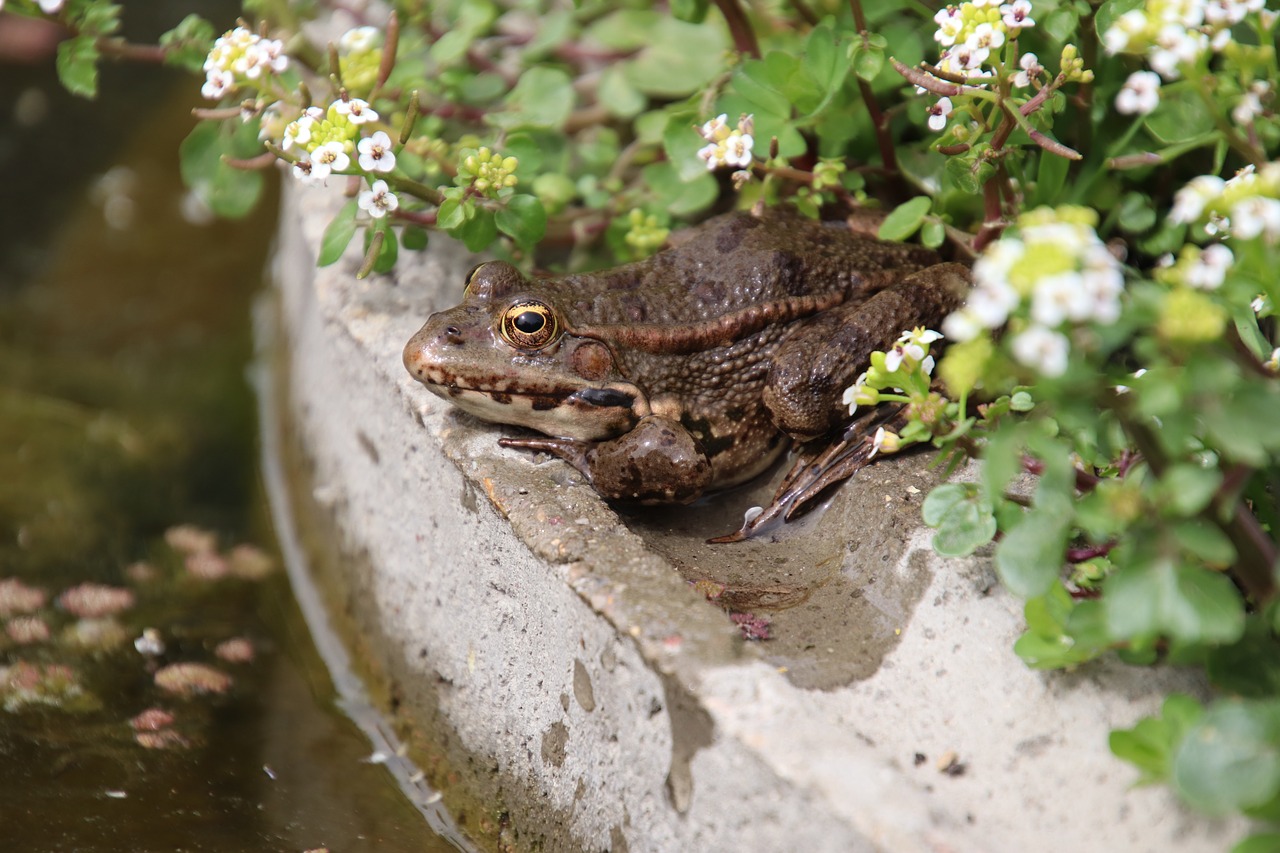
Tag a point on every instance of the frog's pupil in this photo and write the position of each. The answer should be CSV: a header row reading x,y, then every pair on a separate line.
x,y
529,322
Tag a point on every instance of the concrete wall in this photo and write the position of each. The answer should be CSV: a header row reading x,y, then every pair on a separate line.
x,y
560,667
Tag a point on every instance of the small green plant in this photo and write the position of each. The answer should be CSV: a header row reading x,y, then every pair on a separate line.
x,y
1109,167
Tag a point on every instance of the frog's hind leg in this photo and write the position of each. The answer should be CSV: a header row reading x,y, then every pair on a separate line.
x,y
825,354
819,468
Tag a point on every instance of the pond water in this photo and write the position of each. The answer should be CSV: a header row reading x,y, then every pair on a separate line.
x,y
159,688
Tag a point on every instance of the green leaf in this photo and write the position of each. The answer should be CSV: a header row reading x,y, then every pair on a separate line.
x,y
826,63
1206,541
187,44
479,230
1030,556
905,219
1051,177
413,238
1262,842
1187,489
617,94
933,233
963,518
78,65
693,11
868,56
337,234
1230,759
389,252
1150,744
680,141
543,97
523,219
762,86
1164,598
1047,642
1181,115
676,58
227,191
452,214
676,196
1249,668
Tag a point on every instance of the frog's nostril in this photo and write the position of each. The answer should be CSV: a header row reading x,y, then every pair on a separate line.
x,y
453,334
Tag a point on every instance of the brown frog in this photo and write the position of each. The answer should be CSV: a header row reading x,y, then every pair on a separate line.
x,y
688,371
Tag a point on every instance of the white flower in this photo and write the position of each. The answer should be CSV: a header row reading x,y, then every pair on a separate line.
x,y
727,147
1043,350
1031,69
376,154
51,7
1254,216
968,57
358,40
949,26
1017,15
1190,201
1119,34
217,83
884,442
1249,106
378,200
716,129
1210,269
985,36
330,157
1176,45
738,150
302,171
356,110
299,132
1140,95
1061,297
939,113
962,325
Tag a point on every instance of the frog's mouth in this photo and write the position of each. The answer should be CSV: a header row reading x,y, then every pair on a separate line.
x,y
585,413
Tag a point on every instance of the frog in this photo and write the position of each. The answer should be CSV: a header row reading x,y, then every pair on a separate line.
x,y
690,371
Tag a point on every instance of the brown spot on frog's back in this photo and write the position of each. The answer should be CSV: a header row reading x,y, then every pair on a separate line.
x,y
734,232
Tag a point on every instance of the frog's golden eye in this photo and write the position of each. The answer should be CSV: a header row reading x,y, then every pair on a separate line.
x,y
529,324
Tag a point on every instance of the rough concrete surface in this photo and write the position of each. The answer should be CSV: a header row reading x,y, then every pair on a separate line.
x,y
612,707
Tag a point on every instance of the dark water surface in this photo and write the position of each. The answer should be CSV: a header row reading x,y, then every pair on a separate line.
x,y
125,412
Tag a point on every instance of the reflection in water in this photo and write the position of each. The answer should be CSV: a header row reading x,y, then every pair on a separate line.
x,y
158,688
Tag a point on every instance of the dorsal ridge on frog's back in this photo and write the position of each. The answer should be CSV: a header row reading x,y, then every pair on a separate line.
x,y
728,280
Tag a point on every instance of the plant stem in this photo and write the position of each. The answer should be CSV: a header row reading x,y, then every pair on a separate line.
x,y
744,38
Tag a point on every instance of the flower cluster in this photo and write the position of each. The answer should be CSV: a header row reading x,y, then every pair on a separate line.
x,y
727,147
327,139
1175,35
1053,271
1203,269
1244,207
970,32
646,234
487,172
904,368
241,57
359,57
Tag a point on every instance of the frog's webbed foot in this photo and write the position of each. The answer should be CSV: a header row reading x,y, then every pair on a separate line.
x,y
570,450
815,471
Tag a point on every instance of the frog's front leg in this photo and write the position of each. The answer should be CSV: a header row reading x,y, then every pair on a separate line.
x,y
657,462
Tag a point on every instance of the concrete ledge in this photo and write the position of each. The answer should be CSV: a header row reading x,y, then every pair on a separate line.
x,y
561,669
